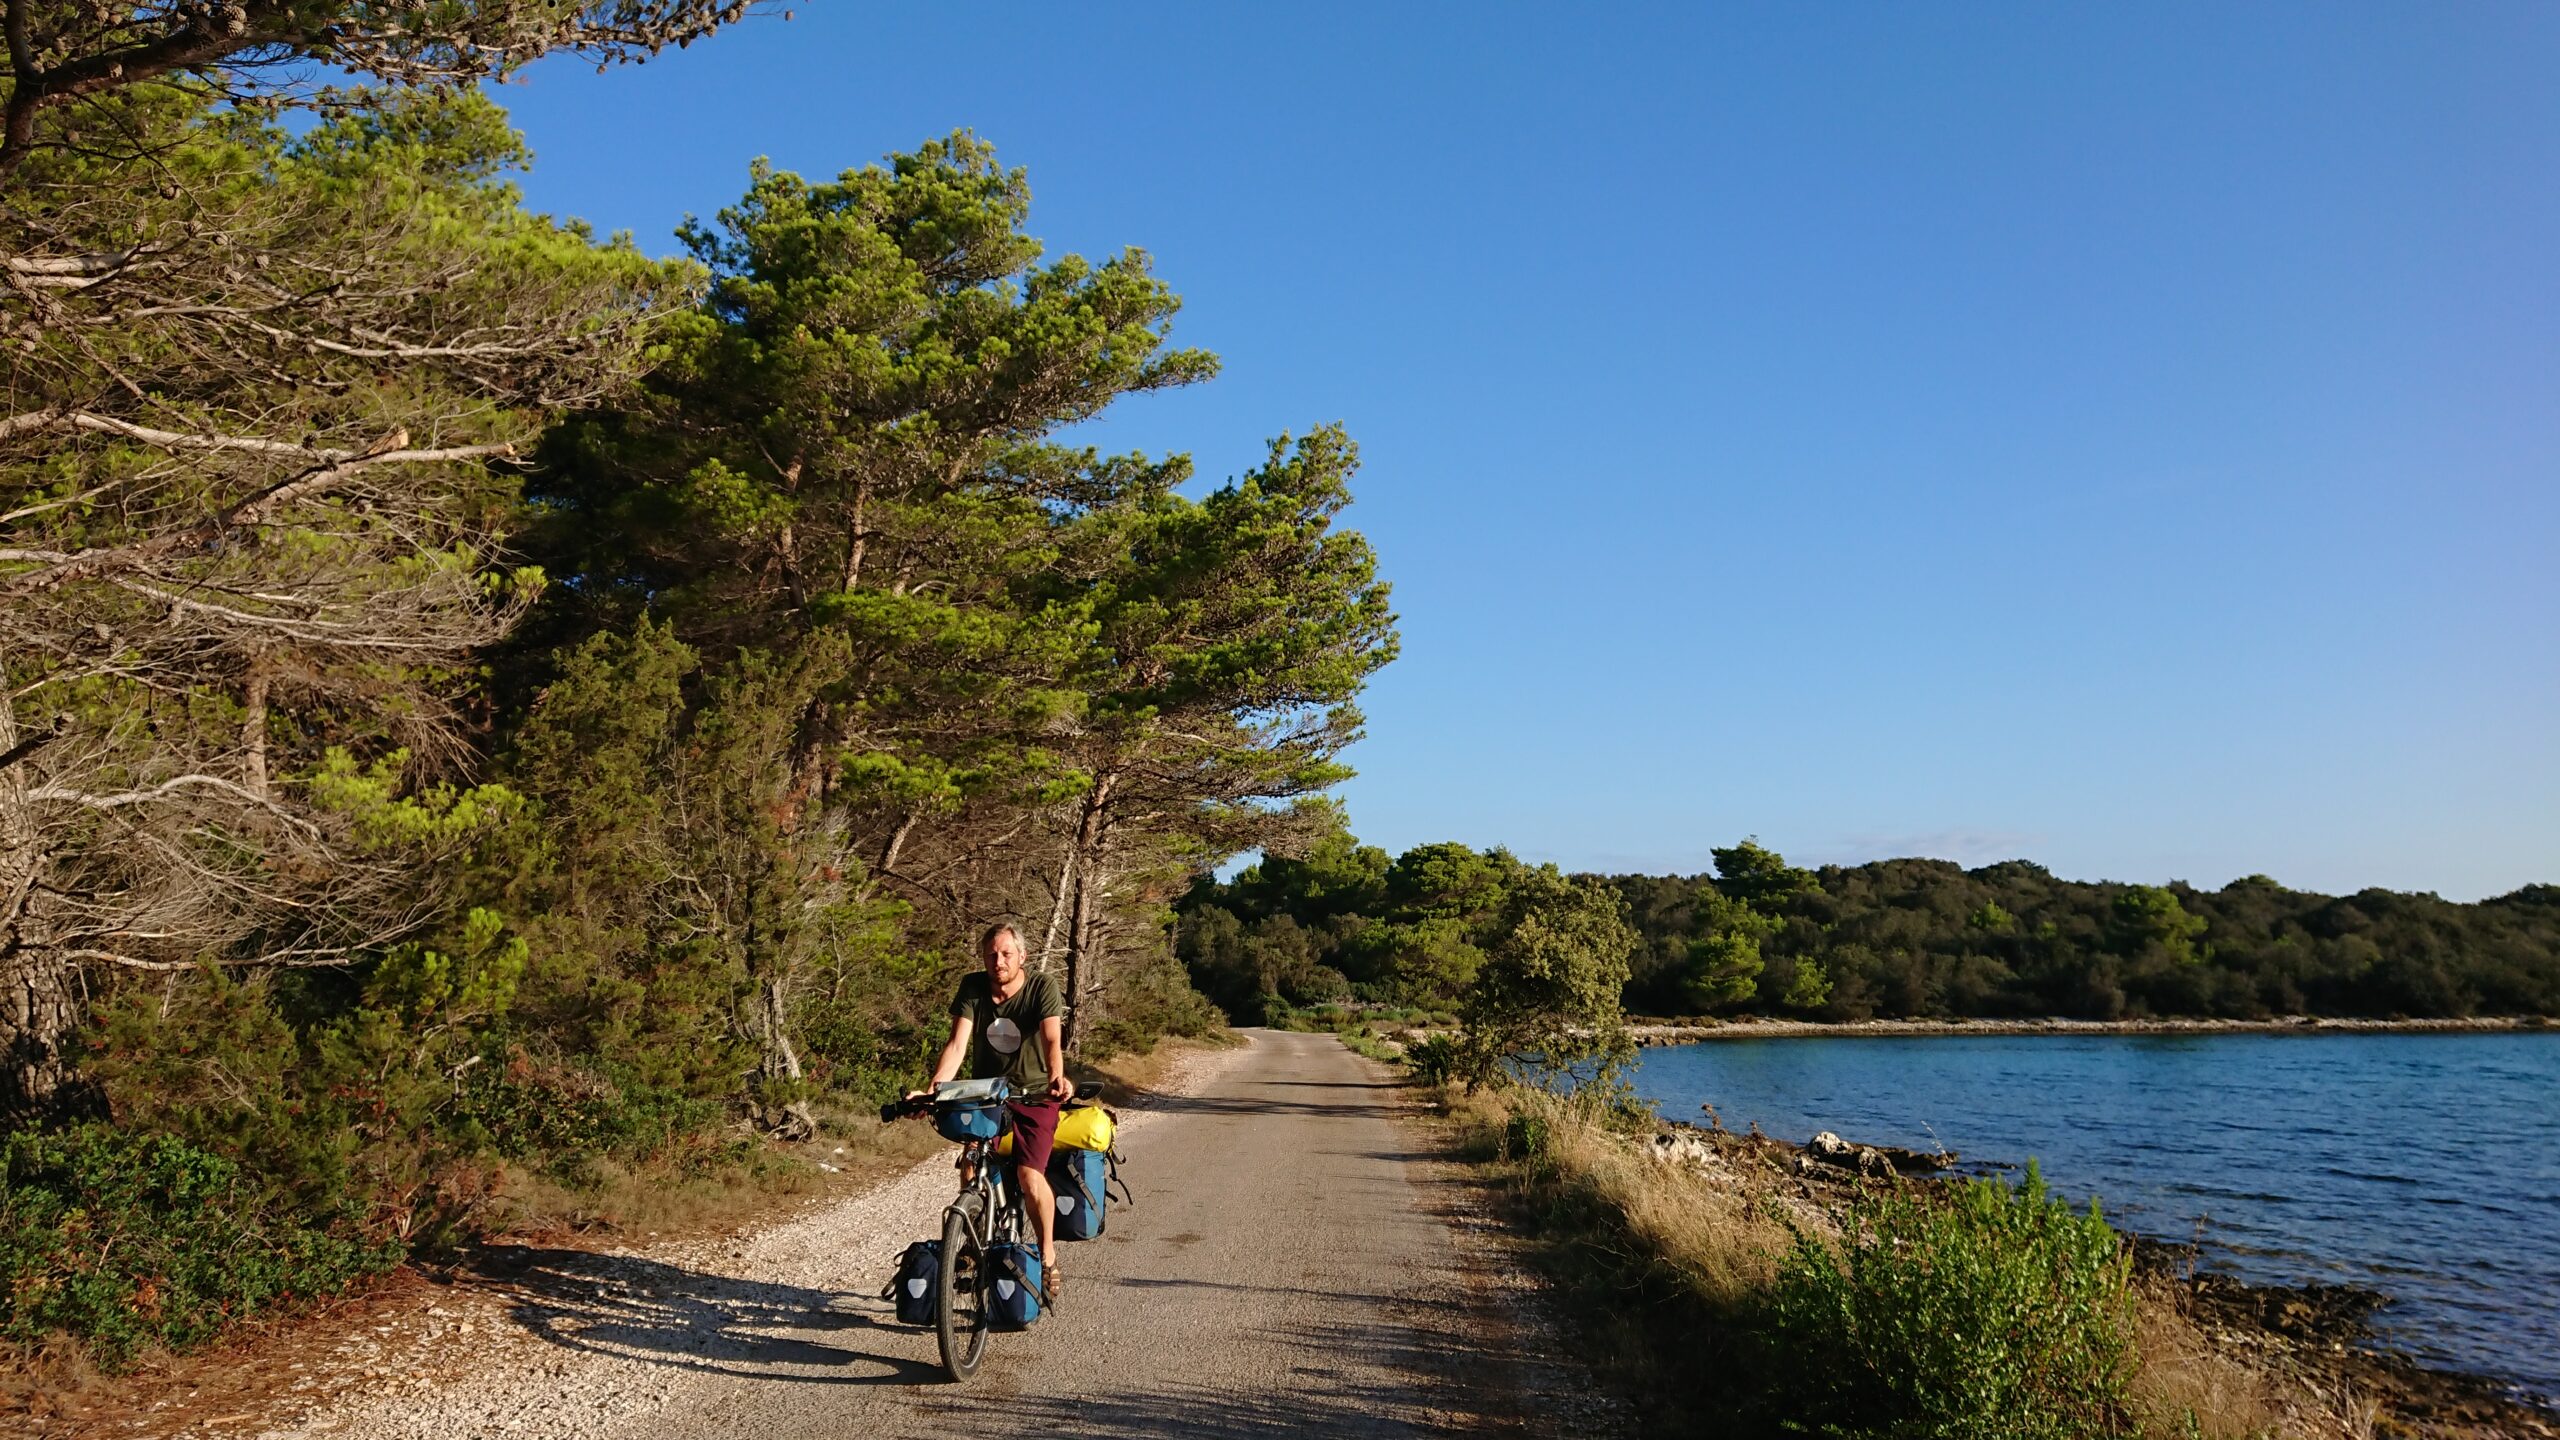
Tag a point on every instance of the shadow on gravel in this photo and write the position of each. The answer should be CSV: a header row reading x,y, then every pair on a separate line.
x,y
1140,1282
663,1314
1434,1388
1394,1157
1247,1104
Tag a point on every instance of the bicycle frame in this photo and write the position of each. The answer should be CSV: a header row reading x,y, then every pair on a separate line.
x,y
987,1188
987,1210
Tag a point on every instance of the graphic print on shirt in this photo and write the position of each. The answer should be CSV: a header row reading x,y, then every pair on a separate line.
x,y
1004,1037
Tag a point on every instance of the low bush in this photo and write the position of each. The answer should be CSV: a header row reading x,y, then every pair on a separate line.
x,y
136,1240
566,1118
1977,1312
1433,1059
1151,1000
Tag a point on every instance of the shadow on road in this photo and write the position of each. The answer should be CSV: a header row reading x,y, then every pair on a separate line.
x,y
1315,1399
664,1314
1248,1103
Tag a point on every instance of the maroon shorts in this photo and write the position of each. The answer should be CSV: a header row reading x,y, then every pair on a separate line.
x,y
1035,1129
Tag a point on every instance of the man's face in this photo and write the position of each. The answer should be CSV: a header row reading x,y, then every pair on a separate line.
x,y
1003,959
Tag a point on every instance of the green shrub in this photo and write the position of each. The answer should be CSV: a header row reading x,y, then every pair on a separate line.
x,y
1982,1313
1151,1000
1433,1058
563,1118
1525,1136
134,1240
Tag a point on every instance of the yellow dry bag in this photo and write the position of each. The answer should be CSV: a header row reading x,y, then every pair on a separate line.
x,y
1083,1125
1086,1127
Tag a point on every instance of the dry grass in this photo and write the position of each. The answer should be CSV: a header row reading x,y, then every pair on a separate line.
x,y
643,1200
1121,1078
2186,1373
1653,1258
40,1383
1715,1234
854,1150
2181,1374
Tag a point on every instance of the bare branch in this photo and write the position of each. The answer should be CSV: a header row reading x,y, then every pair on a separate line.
x,y
58,795
33,743
308,484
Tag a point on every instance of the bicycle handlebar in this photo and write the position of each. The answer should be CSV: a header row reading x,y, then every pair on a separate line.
x,y
971,1092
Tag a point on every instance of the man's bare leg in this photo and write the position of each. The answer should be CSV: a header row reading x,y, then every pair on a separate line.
x,y
1043,1204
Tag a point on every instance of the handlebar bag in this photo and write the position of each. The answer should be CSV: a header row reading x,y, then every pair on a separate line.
x,y
912,1285
977,1120
1012,1295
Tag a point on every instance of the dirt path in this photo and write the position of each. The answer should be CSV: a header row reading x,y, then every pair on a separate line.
x,y
1296,1260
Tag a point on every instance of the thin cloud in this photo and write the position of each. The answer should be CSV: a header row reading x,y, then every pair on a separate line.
x,y
1968,848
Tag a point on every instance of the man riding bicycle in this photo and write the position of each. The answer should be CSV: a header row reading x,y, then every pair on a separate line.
x,y
993,1016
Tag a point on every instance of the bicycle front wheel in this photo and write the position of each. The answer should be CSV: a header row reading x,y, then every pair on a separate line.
x,y
960,1312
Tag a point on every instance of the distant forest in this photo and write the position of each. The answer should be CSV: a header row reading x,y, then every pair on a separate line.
x,y
1894,938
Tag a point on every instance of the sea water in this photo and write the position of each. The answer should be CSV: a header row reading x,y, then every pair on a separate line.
x,y
2425,1167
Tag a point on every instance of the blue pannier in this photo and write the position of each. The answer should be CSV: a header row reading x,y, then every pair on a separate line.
x,y
912,1288
1012,1281
976,1121
1082,1182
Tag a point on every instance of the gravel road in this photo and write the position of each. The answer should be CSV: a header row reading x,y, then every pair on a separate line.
x,y
1296,1261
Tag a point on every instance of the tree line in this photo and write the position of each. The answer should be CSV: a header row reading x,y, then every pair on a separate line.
x,y
479,698
1894,938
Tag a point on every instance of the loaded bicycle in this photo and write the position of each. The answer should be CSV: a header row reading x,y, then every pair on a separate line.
x,y
985,1271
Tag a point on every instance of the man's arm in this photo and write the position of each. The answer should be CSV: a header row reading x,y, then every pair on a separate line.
x,y
1053,1050
954,1050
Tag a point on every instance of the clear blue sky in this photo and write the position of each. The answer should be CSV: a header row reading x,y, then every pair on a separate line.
x,y
2123,437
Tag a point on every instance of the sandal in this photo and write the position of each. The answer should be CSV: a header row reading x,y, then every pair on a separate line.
x,y
1049,1288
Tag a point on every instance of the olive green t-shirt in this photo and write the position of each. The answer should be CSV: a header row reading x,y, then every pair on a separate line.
x,y
1004,1035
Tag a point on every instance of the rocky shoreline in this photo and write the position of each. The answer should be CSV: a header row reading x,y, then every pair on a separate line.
x,y
1683,1032
2322,1330
2317,1334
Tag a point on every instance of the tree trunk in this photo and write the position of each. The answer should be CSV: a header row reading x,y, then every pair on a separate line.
x,y
41,1003
40,1006
774,1102
808,781
787,1117
1058,905
1084,911
897,840
253,729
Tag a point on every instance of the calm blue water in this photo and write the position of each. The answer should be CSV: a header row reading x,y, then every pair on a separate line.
x,y
2426,1167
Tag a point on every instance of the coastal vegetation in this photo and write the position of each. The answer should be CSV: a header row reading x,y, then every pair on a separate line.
x,y
1739,1285
493,720
1733,1288
1891,939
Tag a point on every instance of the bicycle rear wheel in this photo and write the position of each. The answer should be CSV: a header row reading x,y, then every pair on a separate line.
x,y
960,1312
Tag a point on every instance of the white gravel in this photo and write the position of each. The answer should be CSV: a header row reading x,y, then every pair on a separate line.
x,y
584,1350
